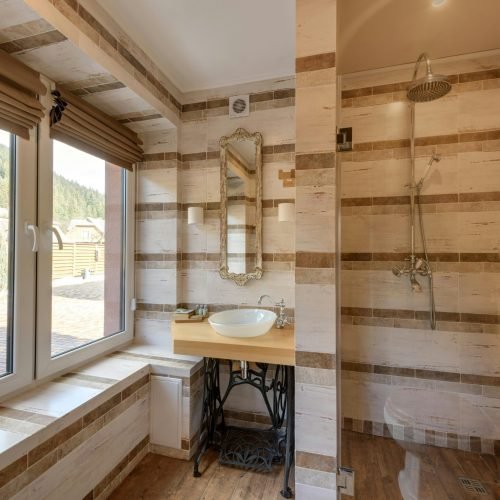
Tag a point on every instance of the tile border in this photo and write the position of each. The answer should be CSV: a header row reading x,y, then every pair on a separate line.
x,y
481,257
315,461
315,360
315,260
423,374
429,437
315,62
408,314
402,86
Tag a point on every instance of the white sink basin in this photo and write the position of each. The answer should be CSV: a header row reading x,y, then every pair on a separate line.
x,y
242,322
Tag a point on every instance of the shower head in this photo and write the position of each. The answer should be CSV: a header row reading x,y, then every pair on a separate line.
x,y
428,88
434,158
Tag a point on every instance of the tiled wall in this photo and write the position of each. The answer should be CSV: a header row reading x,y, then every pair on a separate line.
x,y
177,263
447,380
204,122
316,445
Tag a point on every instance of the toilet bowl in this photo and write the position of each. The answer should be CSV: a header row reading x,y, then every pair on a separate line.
x,y
424,409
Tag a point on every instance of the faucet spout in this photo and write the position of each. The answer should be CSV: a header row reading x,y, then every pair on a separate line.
x,y
281,320
262,297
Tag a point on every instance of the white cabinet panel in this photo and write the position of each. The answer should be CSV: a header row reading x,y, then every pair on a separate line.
x,y
166,414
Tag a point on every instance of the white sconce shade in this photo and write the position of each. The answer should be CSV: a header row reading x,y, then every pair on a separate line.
x,y
195,215
286,212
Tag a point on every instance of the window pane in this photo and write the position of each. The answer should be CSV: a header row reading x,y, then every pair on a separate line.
x,y
6,249
87,249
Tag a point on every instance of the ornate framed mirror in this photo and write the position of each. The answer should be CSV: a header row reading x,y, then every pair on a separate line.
x,y
241,206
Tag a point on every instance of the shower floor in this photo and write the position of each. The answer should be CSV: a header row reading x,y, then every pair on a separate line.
x,y
377,462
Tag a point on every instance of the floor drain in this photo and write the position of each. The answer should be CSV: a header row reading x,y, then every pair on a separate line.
x,y
472,485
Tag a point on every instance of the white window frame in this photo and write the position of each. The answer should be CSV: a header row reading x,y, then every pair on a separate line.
x,y
46,365
23,321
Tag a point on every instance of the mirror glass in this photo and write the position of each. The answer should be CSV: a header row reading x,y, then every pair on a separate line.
x,y
241,206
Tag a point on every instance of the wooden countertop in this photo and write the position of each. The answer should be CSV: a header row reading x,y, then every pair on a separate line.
x,y
200,339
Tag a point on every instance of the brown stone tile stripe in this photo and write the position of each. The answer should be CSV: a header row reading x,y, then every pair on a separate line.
x,y
270,95
157,257
430,437
435,140
141,118
45,455
157,207
211,205
246,416
278,257
436,375
315,461
273,203
311,161
35,418
268,149
455,317
161,308
32,42
213,308
315,360
152,157
402,86
315,260
315,62
425,199
142,446
446,145
115,45
433,257
278,148
187,444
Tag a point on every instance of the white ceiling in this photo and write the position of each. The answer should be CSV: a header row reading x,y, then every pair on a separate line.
x,y
381,33
212,43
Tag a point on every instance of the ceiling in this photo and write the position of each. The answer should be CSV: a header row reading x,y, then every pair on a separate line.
x,y
212,43
27,37
380,33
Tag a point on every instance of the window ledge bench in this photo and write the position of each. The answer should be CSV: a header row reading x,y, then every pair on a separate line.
x,y
81,434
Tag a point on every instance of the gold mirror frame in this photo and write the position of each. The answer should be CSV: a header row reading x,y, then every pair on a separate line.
x,y
240,135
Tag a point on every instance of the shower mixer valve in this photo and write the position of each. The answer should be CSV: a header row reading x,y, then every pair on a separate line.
x,y
414,266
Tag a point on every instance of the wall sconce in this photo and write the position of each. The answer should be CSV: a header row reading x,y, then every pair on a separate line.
x,y
286,212
195,215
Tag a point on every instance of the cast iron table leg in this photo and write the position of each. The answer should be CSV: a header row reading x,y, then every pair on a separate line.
x,y
290,430
210,411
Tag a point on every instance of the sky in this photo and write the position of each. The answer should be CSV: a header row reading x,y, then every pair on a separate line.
x,y
73,164
4,138
80,167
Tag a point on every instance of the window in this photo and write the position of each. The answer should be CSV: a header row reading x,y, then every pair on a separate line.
x,y
7,217
87,254
83,293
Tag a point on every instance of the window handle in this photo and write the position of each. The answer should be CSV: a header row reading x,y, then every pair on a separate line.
x,y
58,237
34,230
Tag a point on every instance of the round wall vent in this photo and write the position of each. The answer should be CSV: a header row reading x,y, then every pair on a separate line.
x,y
239,105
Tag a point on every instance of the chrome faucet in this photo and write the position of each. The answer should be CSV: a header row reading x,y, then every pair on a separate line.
x,y
281,320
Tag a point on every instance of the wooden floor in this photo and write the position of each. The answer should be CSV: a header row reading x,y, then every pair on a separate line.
x,y
377,462
158,477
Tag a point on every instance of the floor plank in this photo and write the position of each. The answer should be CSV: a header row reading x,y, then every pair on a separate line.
x,y
440,469
377,462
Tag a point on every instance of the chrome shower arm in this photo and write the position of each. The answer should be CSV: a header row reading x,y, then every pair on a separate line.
x,y
421,57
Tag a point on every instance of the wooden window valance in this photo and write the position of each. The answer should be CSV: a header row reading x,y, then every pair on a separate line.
x,y
81,125
20,86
